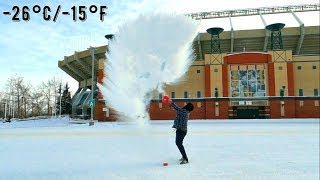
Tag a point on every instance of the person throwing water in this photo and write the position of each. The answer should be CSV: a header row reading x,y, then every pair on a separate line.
x,y
180,124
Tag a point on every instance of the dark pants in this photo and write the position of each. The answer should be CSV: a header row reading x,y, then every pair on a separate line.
x,y
179,140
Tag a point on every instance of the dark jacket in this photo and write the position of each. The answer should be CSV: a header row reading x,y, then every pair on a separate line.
x,y
181,121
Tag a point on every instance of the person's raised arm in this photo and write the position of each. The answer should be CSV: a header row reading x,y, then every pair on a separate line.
x,y
168,101
175,107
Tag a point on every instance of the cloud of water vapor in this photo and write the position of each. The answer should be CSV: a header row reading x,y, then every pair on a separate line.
x,y
145,53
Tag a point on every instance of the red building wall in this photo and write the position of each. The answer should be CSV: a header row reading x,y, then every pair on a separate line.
x,y
207,110
293,109
307,109
98,113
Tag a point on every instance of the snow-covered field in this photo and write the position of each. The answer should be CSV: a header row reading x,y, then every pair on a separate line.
x,y
224,149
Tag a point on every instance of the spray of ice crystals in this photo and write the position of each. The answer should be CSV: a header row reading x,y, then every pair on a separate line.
x,y
146,52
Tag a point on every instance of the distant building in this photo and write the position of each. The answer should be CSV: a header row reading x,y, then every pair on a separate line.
x,y
249,74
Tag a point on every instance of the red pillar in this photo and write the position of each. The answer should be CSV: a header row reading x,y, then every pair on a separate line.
x,y
290,79
271,79
225,80
207,81
99,79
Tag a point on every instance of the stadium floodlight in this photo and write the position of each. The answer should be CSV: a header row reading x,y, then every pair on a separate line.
x,y
109,36
276,39
215,39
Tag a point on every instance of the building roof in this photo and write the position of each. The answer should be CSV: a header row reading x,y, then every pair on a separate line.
x,y
78,65
254,40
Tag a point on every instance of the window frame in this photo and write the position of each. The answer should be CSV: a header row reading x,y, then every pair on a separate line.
x,y
315,92
173,94
185,94
198,94
300,92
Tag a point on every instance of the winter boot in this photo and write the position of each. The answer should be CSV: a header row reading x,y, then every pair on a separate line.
x,y
184,161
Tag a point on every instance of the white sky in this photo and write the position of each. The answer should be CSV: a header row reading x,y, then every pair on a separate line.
x,y
32,49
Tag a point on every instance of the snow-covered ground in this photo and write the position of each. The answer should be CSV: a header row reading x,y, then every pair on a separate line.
x,y
224,149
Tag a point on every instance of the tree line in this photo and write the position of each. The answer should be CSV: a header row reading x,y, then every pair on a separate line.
x,y
20,99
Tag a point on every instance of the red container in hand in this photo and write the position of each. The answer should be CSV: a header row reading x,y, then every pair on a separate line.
x,y
165,99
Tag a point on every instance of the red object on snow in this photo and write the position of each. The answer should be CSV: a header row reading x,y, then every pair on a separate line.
x,y
165,99
165,164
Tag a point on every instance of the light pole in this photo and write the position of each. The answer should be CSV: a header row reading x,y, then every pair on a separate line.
x,y
23,100
92,85
25,107
60,100
55,103
109,37
5,110
9,106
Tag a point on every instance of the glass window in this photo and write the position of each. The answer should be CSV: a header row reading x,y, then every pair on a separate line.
x,y
215,70
173,95
280,68
198,71
247,83
198,94
299,67
300,92
95,94
315,92
84,97
185,94
314,67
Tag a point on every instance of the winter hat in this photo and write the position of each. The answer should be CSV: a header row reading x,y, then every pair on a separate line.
x,y
189,107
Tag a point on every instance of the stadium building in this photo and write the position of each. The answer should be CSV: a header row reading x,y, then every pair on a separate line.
x,y
275,75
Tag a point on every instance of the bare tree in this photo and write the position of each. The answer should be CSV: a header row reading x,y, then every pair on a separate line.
x,y
17,92
37,102
2,104
49,89
25,92
23,100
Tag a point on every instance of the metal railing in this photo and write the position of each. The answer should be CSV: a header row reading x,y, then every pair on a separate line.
x,y
255,11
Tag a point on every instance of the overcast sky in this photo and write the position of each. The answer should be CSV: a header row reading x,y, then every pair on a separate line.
x,y
32,49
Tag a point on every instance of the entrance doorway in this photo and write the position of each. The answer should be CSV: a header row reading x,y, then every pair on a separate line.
x,y
247,113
